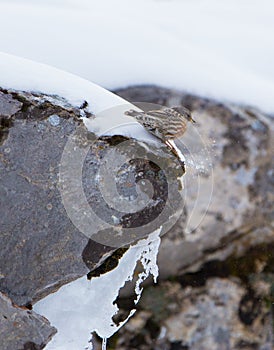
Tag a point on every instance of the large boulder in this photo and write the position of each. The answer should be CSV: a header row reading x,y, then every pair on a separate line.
x,y
40,247
237,214
218,259
50,202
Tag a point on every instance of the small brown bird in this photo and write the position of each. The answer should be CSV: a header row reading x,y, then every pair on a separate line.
x,y
166,124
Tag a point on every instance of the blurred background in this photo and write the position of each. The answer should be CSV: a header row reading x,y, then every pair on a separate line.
x,y
218,49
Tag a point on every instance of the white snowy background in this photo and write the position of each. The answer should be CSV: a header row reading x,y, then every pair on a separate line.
x,y
222,49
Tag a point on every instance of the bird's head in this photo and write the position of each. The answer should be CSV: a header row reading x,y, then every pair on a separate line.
x,y
185,113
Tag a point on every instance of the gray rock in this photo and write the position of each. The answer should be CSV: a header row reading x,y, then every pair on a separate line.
x,y
40,248
8,105
208,318
221,314
224,266
49,201
22,329
239,146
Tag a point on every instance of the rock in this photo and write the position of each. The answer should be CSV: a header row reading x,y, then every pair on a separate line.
x,y
40,247
22,329
56,224
208,318
219,255
221,314
234,208
8,105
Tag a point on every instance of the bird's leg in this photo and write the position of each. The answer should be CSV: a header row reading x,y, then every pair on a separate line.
x,y
177,155
173,150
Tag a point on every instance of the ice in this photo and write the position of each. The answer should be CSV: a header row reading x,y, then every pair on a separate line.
x,y
83,306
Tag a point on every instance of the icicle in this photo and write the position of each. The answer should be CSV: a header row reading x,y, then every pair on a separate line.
x,y
104,344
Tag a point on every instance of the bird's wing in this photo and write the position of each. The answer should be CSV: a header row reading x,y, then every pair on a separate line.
x,y
152,121
158,114
150,116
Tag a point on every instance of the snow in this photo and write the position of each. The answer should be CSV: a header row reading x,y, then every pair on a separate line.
x,y
22,74
222,49
113,121
83,306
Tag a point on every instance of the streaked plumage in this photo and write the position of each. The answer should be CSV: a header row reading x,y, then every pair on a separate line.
x,y
166,124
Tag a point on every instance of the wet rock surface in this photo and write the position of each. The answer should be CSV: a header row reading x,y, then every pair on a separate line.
x,y
21,328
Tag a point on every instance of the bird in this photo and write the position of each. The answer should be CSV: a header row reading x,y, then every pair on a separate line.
x,y
166,123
